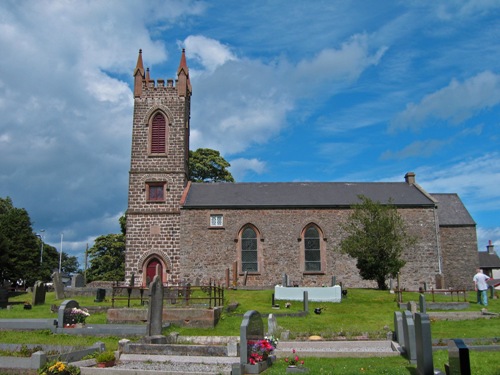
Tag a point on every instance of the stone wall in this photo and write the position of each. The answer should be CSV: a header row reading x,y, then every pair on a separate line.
x,y
207,252
460,256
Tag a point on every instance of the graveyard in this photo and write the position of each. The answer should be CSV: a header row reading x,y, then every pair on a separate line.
x,y
353,334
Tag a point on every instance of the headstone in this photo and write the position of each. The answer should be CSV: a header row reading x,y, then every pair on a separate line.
x,y
58,285
155,312
458,358
412,307
235,274
272,324
39,293
251,329
398,328
77,281
334,280
284,281
4,298
409,336
422,304
100,295
63,317
227,278
306,301
425,364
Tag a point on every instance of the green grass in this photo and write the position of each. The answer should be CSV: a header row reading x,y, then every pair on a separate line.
x,y
364,311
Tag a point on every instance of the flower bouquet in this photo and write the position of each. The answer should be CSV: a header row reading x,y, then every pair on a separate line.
x,y
77,315
295,364
59,368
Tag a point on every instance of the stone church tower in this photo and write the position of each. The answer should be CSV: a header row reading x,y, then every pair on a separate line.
x,y
158,174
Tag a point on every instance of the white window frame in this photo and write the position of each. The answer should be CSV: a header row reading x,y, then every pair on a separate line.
x,y
216,220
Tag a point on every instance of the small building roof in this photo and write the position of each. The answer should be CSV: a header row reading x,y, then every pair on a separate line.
x,y
451,211
302,194
488,260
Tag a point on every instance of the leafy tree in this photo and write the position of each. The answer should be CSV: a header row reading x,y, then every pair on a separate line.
x,y
207,165
123,223
107,258
20,258
376,237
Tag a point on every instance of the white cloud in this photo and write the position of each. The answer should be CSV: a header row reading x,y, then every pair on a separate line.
x,y
241,167
209,52
416,149
456,102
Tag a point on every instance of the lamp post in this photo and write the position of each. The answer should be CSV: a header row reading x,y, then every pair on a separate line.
x,y
60,254
41,244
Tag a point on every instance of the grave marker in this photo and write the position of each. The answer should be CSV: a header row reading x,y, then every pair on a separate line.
x,y
155,311
63,316
409,336
39,293
425,364
398,328
272,325
77,281
58,285
422,304
458,358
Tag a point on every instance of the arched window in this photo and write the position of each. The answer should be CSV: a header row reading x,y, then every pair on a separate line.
x,y
249,259
158,135
312,249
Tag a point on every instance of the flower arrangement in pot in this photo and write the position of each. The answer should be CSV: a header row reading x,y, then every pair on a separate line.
x,y
77,315
294,360
260,350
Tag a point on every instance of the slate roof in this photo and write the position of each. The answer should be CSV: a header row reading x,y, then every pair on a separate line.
x,y
302,194
451,211
487,260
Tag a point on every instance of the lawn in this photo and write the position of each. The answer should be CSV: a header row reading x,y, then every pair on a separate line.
x,y
364,312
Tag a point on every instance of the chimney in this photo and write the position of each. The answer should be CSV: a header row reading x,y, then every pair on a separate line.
x,y
410,178
490,247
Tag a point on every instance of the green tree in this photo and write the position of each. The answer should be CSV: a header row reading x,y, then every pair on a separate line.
x,y
20,248
107,258
207,165
376,237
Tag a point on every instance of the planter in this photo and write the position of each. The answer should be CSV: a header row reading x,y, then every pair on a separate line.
x,y
296,370
106,364
257,368
27,307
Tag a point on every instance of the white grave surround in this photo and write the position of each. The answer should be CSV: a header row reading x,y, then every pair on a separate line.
x,y
315,294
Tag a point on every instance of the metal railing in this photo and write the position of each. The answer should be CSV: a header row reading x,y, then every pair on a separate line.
x,y
434,292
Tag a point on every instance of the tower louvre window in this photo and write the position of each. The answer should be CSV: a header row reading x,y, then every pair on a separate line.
x,y
156,191
158,134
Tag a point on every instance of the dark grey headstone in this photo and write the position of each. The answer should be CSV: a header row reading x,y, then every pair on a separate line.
x,y
458,358
422,304
63,317
306,301
409,336
284,281
398,328
4,298
39,293
425,364
77,281
251,329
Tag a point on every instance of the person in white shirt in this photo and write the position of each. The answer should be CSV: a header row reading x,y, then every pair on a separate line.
x,y
481,287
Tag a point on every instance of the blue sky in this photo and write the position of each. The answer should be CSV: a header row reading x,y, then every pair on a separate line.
x,y
285,90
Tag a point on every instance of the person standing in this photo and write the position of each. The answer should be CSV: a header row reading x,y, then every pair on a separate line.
x,y
481,287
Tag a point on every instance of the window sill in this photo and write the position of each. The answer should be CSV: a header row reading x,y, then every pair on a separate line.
x,y
216,228
250,273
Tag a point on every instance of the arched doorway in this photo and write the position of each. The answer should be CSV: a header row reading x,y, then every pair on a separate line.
x,y
151,270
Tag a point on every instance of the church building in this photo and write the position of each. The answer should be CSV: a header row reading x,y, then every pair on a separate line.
x,y
196,232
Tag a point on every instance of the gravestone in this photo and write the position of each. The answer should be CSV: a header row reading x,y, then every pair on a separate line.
x,y
63,317
100,295
284,281
251,329
398,328
422,304
409,336
77,281
458,358
155,312
423,340
58,285
306,301
334,280
272,324
412,307
39,293
4,298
